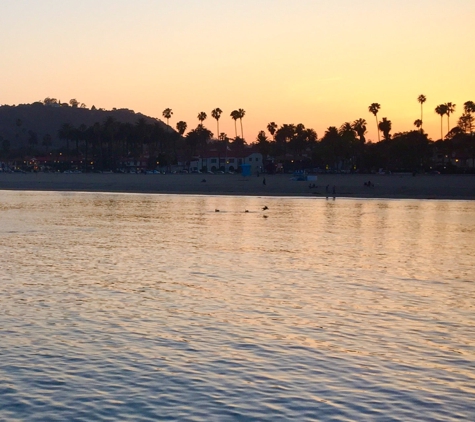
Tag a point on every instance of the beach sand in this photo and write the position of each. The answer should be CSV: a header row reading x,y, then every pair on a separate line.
x,y
351,185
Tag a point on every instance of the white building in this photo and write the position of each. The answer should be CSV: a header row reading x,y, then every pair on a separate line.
x,y
227,162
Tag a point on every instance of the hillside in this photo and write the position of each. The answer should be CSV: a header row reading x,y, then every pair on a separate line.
x,y
16,122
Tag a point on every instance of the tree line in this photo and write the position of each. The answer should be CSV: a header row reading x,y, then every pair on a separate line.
x,y
104,145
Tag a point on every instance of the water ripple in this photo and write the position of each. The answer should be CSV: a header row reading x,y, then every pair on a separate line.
x,y
144,308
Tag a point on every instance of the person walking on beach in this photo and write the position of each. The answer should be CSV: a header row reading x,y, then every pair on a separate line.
x,y
334,192
264,181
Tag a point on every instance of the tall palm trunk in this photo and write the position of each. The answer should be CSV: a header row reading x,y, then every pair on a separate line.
x,y
422,121
377,126
441,132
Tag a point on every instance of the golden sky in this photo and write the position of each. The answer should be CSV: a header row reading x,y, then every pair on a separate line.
x,y
316,62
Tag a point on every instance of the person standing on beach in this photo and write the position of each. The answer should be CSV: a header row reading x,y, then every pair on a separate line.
x,y
264,181
334,192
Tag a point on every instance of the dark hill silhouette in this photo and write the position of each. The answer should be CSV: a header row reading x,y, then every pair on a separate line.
x,y
16,122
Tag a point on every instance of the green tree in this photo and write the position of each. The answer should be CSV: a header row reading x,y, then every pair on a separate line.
x,y
374,108
421,99
216,114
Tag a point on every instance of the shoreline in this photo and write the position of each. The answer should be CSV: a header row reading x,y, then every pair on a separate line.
x,y
395,186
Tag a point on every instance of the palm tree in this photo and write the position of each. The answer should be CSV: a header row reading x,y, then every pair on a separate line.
x,y
19,123
47,141
272,127
65,132
359,126
441,109
216,114
465,122
385,127
450,110
181,127
167,113
241,115
374,108
202,117
235,116
469,108
418,123
422,99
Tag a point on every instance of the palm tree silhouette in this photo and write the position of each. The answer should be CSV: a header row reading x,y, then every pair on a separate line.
x,y
418,123
202,117
359,126
216,114
167,113
272,127
65,132
242,113
374,108
422,99
235,116
385,127
441,109
181,127
469,108
450,109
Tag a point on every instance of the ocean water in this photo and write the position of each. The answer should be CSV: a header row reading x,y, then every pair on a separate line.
x,y
156,307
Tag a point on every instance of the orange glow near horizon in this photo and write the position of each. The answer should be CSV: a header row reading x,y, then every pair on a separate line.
x,y
315,62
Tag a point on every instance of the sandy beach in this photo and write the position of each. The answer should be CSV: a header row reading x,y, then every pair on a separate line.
x,y
383,186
